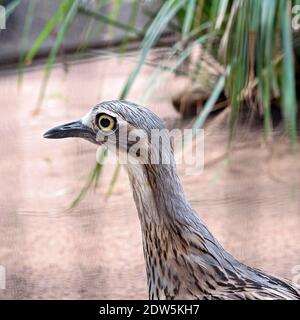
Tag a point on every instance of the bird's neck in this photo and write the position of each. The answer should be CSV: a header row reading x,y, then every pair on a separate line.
x,y
173,236
157,193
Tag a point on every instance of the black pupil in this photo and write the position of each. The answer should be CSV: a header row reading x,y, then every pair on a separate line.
x,y
105,122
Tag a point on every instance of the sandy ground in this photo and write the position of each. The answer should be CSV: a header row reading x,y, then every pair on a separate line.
x,y
249,201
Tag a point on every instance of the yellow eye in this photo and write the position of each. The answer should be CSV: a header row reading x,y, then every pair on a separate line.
x,y
106,123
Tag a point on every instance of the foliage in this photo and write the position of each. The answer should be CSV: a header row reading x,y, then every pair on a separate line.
x,y
252,40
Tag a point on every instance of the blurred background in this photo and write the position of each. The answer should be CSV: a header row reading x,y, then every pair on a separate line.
x,y
68,225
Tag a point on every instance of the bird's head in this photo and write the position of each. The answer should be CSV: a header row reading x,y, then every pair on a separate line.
x,y
120,125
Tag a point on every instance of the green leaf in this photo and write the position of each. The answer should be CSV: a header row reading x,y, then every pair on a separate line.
x,y
131,21
58,41
189,17
11,7
267,10
113,179
92,179
109,21
289,101
181,57
223,4
58,17
207,108
114,12
25,37
165,14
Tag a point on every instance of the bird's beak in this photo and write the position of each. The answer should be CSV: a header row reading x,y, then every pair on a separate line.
x,y
71,130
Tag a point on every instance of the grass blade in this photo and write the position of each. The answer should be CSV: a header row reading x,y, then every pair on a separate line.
x,y
58,41
92,179
109,21
223,4
60,14
157,78
11,7
113,179
210,103
24,40
166,13
131,21
289,102
189,17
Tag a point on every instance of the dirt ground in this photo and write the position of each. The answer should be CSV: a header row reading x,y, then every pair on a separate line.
x,y
249,201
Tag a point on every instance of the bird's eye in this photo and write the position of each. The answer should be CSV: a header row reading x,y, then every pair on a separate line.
x,y
106,123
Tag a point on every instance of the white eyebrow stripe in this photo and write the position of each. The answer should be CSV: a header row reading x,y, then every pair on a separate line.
x,y
110,113
86,119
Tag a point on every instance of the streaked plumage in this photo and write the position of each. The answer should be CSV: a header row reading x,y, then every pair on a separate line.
x,y
183,259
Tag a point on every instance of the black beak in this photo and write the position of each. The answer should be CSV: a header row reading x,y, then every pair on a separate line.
x,y
71,130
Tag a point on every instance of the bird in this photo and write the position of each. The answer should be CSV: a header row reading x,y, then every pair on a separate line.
x,y
183,259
